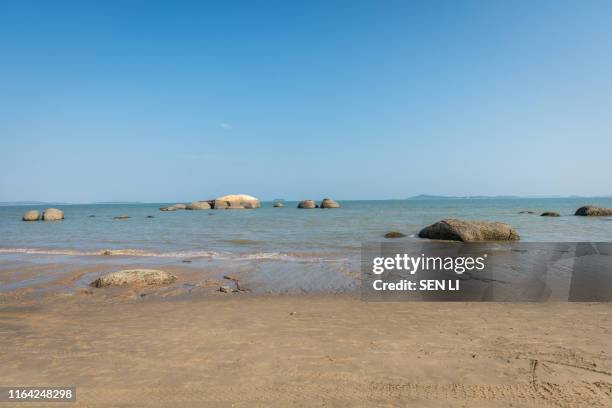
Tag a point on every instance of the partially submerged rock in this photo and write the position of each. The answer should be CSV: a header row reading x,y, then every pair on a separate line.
x,y
550,214
121,217
236,201
467,231
199,205
329,203
53,214
32,215
278,205
593,211
526,212
169,208
307,204
394,234
225,289
135,277
180,206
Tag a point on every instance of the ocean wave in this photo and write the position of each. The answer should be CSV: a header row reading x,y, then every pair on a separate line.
x,y
214,255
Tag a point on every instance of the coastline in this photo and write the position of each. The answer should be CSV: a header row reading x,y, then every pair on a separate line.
x,y
326,349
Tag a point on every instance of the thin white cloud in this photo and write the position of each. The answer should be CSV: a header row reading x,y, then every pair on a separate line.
x,y
226,126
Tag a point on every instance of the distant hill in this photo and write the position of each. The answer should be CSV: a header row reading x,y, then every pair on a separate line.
x,y
438,197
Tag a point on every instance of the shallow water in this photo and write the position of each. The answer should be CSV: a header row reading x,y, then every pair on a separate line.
x,y
276,241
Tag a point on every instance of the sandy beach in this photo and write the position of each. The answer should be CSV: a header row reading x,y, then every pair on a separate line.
x,y
124,347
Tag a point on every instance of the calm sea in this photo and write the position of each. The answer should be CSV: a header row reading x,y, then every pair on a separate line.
x,y
275,239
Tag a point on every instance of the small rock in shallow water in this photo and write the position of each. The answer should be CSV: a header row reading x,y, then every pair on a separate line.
x,y
121,217
526,212
150,216
106,252
550,214
394,234
225,289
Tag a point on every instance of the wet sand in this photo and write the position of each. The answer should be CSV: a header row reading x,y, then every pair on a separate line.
x,y
175,348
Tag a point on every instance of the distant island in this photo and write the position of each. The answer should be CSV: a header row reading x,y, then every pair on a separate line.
x,y
439,197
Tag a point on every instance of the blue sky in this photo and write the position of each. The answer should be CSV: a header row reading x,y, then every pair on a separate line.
x,y
164,101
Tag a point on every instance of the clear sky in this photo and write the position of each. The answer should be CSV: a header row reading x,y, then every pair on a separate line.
x,y
178,100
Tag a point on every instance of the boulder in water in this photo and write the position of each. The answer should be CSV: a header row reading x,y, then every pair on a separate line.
x,y
135,277
307,204
53,214
169,208
329,203
121,217
180,206
593,211
278,205
550,214
32,215
199,205
467,231
236,201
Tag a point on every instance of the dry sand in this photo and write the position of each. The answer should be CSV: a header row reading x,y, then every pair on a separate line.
x,y
121,349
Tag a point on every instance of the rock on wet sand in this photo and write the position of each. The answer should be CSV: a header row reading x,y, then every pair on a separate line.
x,y
468,231
135,277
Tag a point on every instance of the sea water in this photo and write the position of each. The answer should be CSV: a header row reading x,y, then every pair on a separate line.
x,y
276,241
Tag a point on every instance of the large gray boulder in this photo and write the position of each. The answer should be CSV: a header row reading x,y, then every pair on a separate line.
x,y
198,205
32,215
236,201
467,231
307,204
592,211
53,214
329,203
135,277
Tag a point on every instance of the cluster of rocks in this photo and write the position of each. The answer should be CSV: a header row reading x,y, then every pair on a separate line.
x,y
325,203
587,210
227,202
50,214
